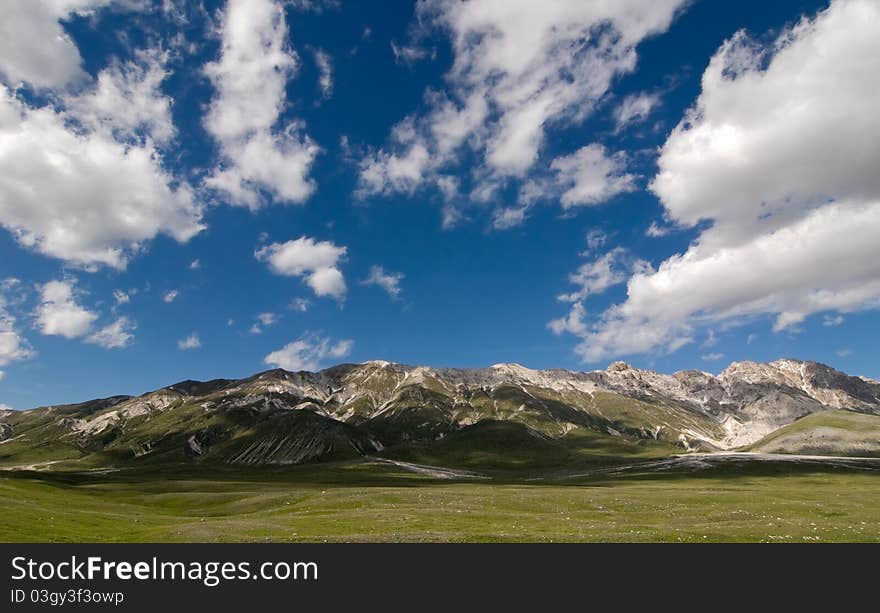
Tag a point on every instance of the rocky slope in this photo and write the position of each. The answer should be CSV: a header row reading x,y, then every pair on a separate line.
x,y
281,417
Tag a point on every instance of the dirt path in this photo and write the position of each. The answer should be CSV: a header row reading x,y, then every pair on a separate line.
x,y
433,471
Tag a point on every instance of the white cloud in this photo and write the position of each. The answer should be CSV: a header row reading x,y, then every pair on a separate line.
x,y
711,339
59,314
314,6
596,239
592,278
263,320
80,177
611,269
831,321
300,304
170,296
520,68
573,323
195,264
590,176
712,357
121,297
655,230
80,195
35,49
9,283
190,342
308,353
13,346
127,100
267,319
389,281
259,154
115,335
505,218
587,177
316,262
635,108
780,153
386,173
325,72
409,54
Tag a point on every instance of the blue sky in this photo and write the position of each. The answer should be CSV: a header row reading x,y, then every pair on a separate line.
x,y
235,174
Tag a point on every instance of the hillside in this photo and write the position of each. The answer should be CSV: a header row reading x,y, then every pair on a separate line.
x,y
842,433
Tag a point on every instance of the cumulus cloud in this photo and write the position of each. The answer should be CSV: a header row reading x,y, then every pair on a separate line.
x,y
259,152
190,342
59,314
81,178
780,153
520,68
389,281
121,297
13,346
591,176
35,49
309,353
116,335
127,99
587,177
573,323
81,195
316,262
635,108
170,296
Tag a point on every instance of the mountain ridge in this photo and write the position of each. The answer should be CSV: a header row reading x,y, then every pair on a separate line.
x,y
284,417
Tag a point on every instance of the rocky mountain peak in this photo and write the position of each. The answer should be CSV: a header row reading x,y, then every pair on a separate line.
x,y
378,363
512,368
618,367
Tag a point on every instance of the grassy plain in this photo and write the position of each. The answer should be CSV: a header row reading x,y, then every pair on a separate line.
x,y
369,501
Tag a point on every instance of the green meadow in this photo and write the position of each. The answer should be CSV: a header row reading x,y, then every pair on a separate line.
x,y
358,501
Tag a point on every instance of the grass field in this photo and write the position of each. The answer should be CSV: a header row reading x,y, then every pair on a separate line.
x,y
358,501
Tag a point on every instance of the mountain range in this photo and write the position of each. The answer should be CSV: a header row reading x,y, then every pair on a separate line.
x,y
505,414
